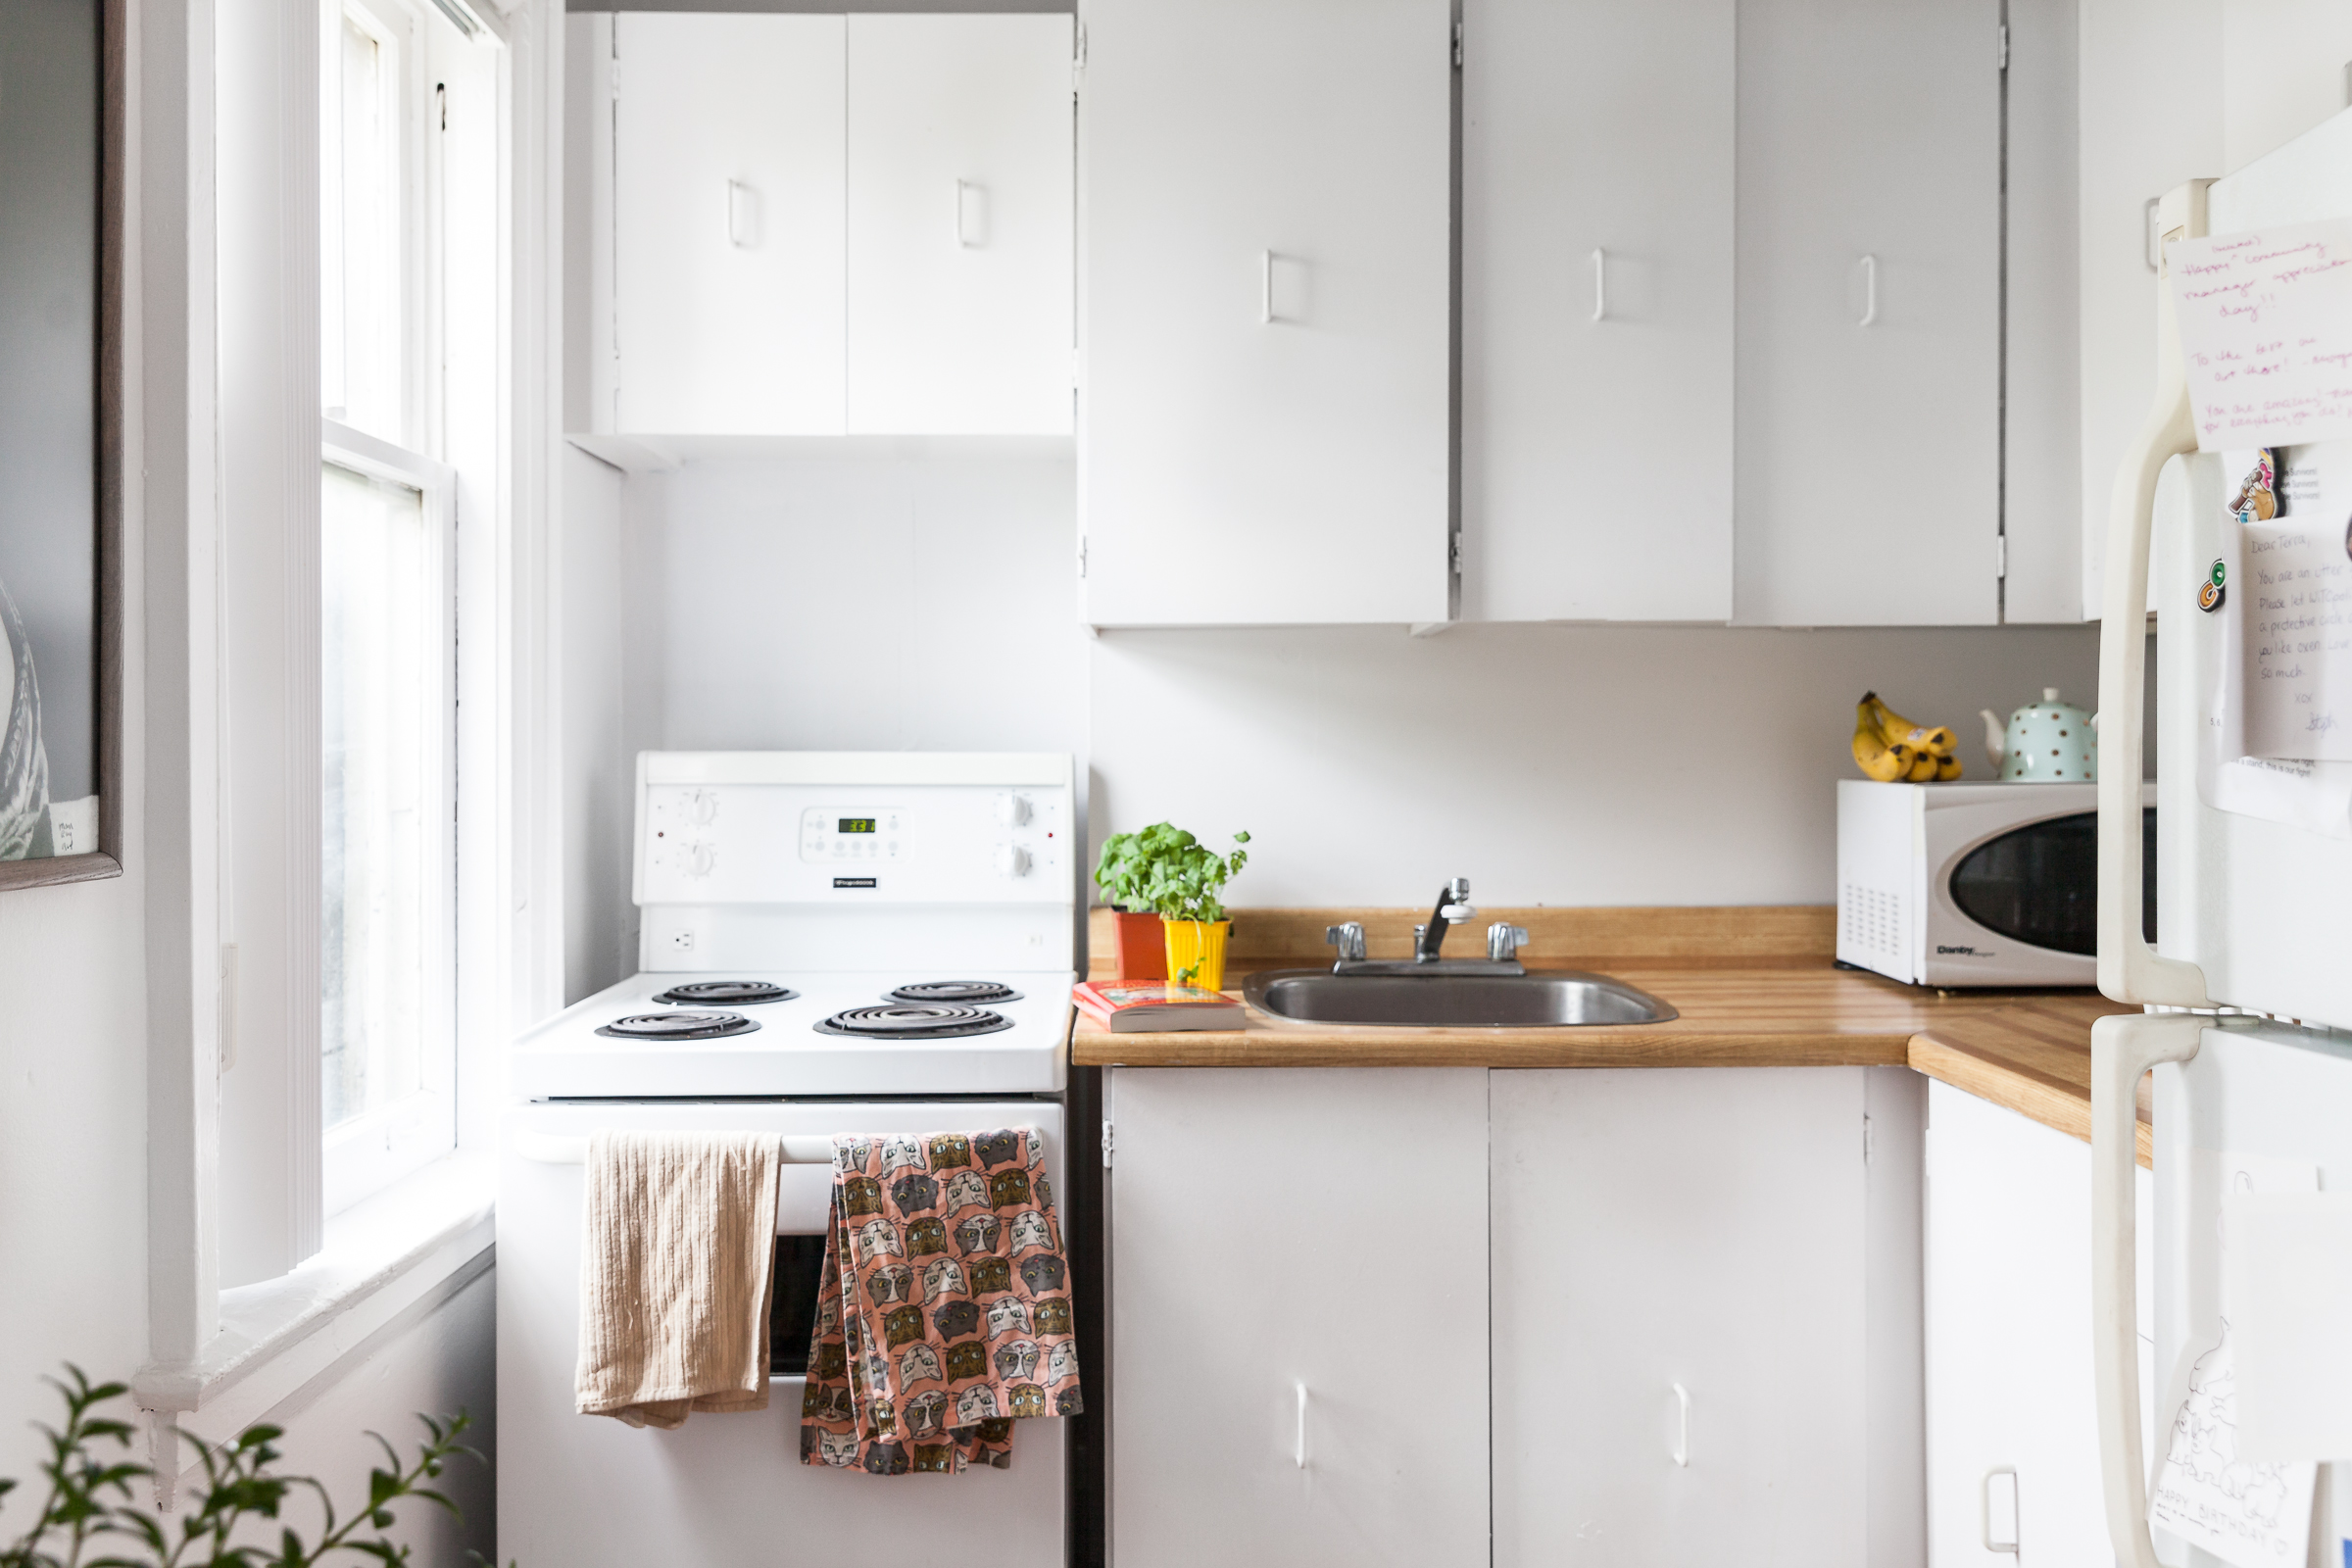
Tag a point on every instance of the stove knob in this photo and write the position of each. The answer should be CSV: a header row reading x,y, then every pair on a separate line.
x,y
701,806
1012,810
700,865
1011,860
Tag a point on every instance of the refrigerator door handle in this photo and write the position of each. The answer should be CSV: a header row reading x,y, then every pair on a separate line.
x,y
2129,970
2123,1047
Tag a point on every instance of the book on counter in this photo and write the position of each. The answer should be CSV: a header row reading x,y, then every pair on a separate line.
x,y
1153,1006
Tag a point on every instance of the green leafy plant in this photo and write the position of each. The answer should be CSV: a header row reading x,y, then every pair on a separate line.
x,y
87,1520
1168,871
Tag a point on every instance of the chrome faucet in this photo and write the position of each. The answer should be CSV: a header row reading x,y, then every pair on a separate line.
x,y
1503,942
1453,904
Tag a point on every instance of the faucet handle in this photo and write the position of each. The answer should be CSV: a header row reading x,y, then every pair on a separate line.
x,y
1503,942
1348,938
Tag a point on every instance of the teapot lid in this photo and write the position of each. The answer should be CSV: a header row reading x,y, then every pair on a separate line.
x,y
2049,694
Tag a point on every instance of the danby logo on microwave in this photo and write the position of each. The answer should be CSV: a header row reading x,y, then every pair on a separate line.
x,y
1944,952
853,882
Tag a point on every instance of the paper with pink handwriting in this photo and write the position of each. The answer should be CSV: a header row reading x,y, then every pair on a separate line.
x,y
2265,333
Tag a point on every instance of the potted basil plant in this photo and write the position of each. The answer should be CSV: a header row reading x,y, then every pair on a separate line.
x,y
1169,872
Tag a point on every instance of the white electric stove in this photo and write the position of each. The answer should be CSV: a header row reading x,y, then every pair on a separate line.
x,y
831,943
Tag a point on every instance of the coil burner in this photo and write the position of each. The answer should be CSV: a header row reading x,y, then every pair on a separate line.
x,y
914,1021
679,1026
964,990
724,994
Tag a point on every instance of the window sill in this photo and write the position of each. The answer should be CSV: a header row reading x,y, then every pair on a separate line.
x,y
415,1244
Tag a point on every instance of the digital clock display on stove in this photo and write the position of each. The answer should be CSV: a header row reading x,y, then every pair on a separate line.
x,y
855,824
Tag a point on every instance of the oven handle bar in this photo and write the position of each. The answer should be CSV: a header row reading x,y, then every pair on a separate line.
x,y
547,1149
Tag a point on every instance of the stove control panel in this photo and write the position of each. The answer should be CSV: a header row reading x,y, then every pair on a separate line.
x,y
723,834
834,835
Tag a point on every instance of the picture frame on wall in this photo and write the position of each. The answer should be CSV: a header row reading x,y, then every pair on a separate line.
x,y
62,96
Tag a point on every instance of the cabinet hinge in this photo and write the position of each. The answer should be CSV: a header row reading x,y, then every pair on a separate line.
x,y
2000,557
1866,1140
2004,46
1107,1145
1457,46
1082,572
1454,553
1078,55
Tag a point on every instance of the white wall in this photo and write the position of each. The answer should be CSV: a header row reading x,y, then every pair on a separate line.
x,y
594,602
888,594
1549,764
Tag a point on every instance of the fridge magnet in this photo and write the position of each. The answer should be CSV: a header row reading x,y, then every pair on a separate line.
x,y
2214,589
2257,499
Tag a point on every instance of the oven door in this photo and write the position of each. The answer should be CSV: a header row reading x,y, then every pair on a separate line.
x,y
722,1489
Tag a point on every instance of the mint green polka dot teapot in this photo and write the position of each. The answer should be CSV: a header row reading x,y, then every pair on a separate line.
x,y
2049,742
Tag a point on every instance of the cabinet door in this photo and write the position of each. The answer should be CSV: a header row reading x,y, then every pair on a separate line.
x,y
961,191
2009,1372
1679,1316
1596,310
1870,313
1265,398
727,176
1299,1318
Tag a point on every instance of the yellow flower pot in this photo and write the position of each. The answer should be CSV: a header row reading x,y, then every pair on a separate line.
x,y
1197,946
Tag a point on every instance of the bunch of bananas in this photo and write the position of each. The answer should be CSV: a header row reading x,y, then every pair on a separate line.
x,y
1893,749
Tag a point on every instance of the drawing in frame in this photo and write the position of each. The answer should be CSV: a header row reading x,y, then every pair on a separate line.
x,y
61,94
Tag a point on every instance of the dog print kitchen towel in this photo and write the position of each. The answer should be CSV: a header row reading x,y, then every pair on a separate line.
x,y
676,1255
943,1316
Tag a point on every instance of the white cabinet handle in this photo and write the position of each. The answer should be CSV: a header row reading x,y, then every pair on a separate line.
x,y
1984,1509
734,213
971,215
1681,1438
1870,290
1298,1437
1601,283
1265,318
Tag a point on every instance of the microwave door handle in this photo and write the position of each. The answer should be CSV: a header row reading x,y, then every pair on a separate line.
x,y
2123,1047
2130,970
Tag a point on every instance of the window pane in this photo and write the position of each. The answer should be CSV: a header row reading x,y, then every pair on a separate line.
x,y
360,231
379,695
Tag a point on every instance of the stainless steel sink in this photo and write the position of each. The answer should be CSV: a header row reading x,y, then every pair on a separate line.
x,y
1560,998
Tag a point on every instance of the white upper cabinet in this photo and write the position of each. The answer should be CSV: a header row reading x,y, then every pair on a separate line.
x,y
1868,478
728,176
1265,301
828,225
1596,310
959,225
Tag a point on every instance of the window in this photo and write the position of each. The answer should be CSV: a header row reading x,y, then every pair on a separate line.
x,y
387,619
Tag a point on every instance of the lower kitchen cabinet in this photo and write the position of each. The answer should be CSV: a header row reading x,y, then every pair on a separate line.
x,y
1707,1316
1298,1316
2013,1441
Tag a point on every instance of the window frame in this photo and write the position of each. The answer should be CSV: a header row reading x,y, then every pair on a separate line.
x,y
361,1156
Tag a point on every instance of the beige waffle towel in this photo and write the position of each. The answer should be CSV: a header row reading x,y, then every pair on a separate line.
x,y
676,1255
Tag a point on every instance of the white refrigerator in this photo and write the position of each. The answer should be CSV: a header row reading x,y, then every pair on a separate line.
x,y
2248,987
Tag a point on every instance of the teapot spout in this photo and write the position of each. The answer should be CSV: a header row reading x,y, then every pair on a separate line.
x,y
1996,738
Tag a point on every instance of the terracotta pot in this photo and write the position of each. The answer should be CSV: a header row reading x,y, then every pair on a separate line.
x,y
1143,952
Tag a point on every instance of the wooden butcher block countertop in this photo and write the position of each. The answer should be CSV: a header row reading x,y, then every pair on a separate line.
x,y
1754,987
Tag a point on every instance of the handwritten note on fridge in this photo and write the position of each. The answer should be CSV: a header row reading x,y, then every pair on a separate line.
x,y
2265,333
2297,583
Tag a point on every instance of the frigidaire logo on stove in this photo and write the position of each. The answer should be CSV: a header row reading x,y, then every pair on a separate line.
x,y
853,881
1940,949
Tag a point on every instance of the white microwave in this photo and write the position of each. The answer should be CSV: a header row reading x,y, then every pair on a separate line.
x,y
1976,884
